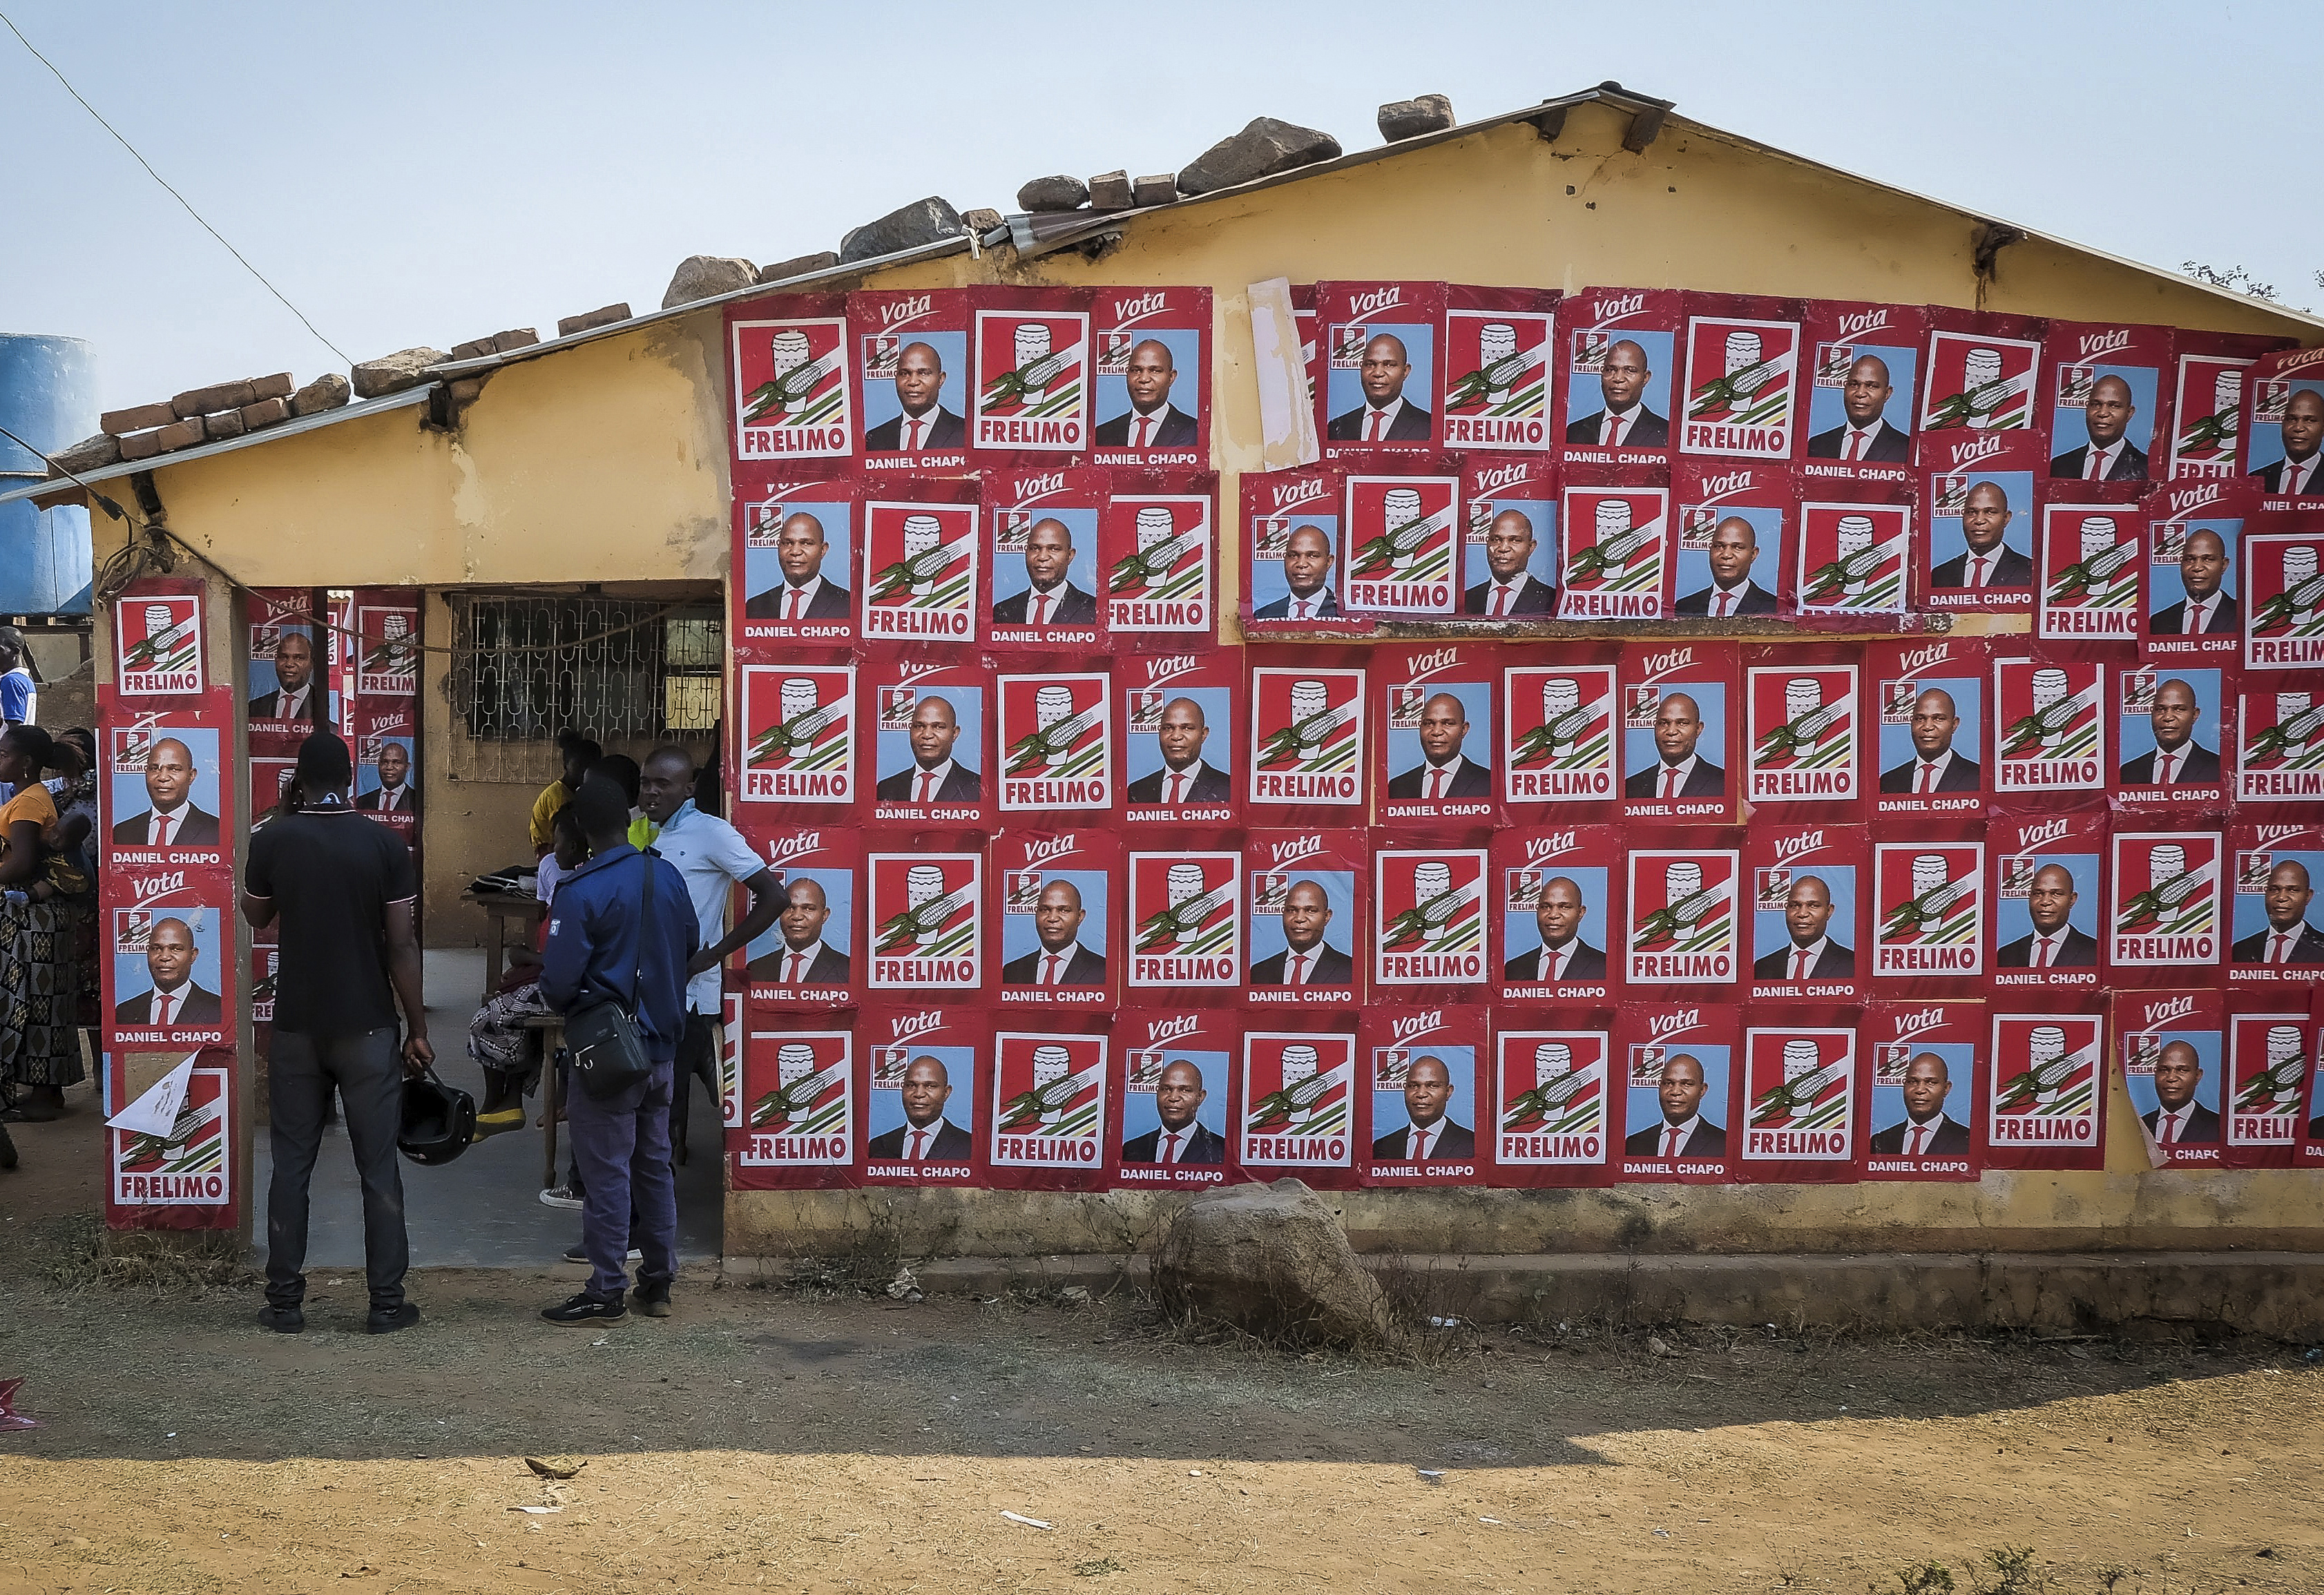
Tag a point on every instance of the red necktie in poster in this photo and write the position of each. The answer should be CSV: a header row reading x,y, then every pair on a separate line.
x,y
1613,430
1372,427
1670,780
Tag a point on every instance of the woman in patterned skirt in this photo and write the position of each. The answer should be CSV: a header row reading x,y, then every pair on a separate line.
x,y
40,981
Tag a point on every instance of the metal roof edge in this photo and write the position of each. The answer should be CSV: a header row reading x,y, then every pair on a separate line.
x,y
304,423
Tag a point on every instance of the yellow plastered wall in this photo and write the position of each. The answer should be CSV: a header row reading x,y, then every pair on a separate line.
x,y
608,463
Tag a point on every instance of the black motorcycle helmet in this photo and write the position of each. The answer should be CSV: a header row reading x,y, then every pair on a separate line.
x,y
437,1121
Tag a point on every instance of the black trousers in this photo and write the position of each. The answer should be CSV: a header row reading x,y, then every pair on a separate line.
x,y
301,1071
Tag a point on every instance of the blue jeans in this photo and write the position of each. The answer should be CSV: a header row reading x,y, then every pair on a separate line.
x,y
621,1145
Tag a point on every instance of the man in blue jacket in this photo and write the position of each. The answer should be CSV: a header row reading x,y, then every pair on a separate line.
x,y
602,947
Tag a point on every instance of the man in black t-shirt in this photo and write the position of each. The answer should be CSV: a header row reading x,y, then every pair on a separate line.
x,y
343,886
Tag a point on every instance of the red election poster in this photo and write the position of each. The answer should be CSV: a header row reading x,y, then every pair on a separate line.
x,y
159,641
1742,389
794,399
289,686
1618,354
1810,901
927,1071
912,374
2110,409
812,955
1930,693
385,646
1931,924
932,746
1306,909
1307,740
1557,753
1508,541
926,921
1403,536
2170,729
1311,347
1291,554
1616,539
1554,1119
166,796
2282,429
170,1153
1301,1108
1681,1090
1032,396
2194,548
1055,900
1049,1092
2278,743
799,752
1423,1068
1804,743
387,756
2270,1056
923,577
1497,368
1186,926
730,1053
1430,919
2166,921
1433,750
1854,555
1978,553
169,945
1152,395
2050,725
1685,931
1043,521
795,547
2046,1093
1924,1089
2284,615
1158,549
1805,1099
802,1119
1863,370
1682,732
1057,749
1735,522
270,779
1174,1116
2049,899
2089,589
1981,381
2207,409
2275,940
1561,899
2172,1045
1381,367
1180,736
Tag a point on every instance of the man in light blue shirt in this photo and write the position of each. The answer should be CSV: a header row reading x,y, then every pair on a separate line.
x,y
713,858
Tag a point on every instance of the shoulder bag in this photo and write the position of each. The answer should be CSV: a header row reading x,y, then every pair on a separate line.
x,y
609,1054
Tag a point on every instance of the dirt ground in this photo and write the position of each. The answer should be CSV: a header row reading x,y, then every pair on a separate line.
x,y
800,1440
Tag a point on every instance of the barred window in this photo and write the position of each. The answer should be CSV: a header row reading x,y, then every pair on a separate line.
x,y
622,669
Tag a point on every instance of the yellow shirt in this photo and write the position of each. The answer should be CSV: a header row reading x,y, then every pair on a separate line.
x,y
553,797
34,804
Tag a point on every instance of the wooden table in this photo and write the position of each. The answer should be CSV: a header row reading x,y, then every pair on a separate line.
x,y
500,908
552,1027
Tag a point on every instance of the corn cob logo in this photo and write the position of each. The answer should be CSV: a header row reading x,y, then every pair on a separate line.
x,y
801,725
187,1166
1160,578
2294,742
2165,888
1804,721
924,926
921,559
2267,1078
1681,904
1979,384
1184,905
1054,726
1740,375
1299,1096
158,639
1049,1099
2210,413
1931,896
2049,712
792,395
1503,362
1308,724
1401,528
1802,1083
2295,607
1553,1099
799,1099
1852,557
1560,720
1032,386
1616,541
2045,1071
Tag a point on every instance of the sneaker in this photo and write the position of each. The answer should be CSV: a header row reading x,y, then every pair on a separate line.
x,y
281,1320
653,1300
388,1320
585,1309
562,1196
580,1254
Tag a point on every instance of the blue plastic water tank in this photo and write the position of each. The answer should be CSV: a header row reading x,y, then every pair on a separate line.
x,y
48,397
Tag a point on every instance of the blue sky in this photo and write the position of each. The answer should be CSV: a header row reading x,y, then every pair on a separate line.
x,y
426,173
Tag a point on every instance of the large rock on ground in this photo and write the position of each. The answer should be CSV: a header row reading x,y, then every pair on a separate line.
x,y
707,276
1274,1260
924,221
1263,148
